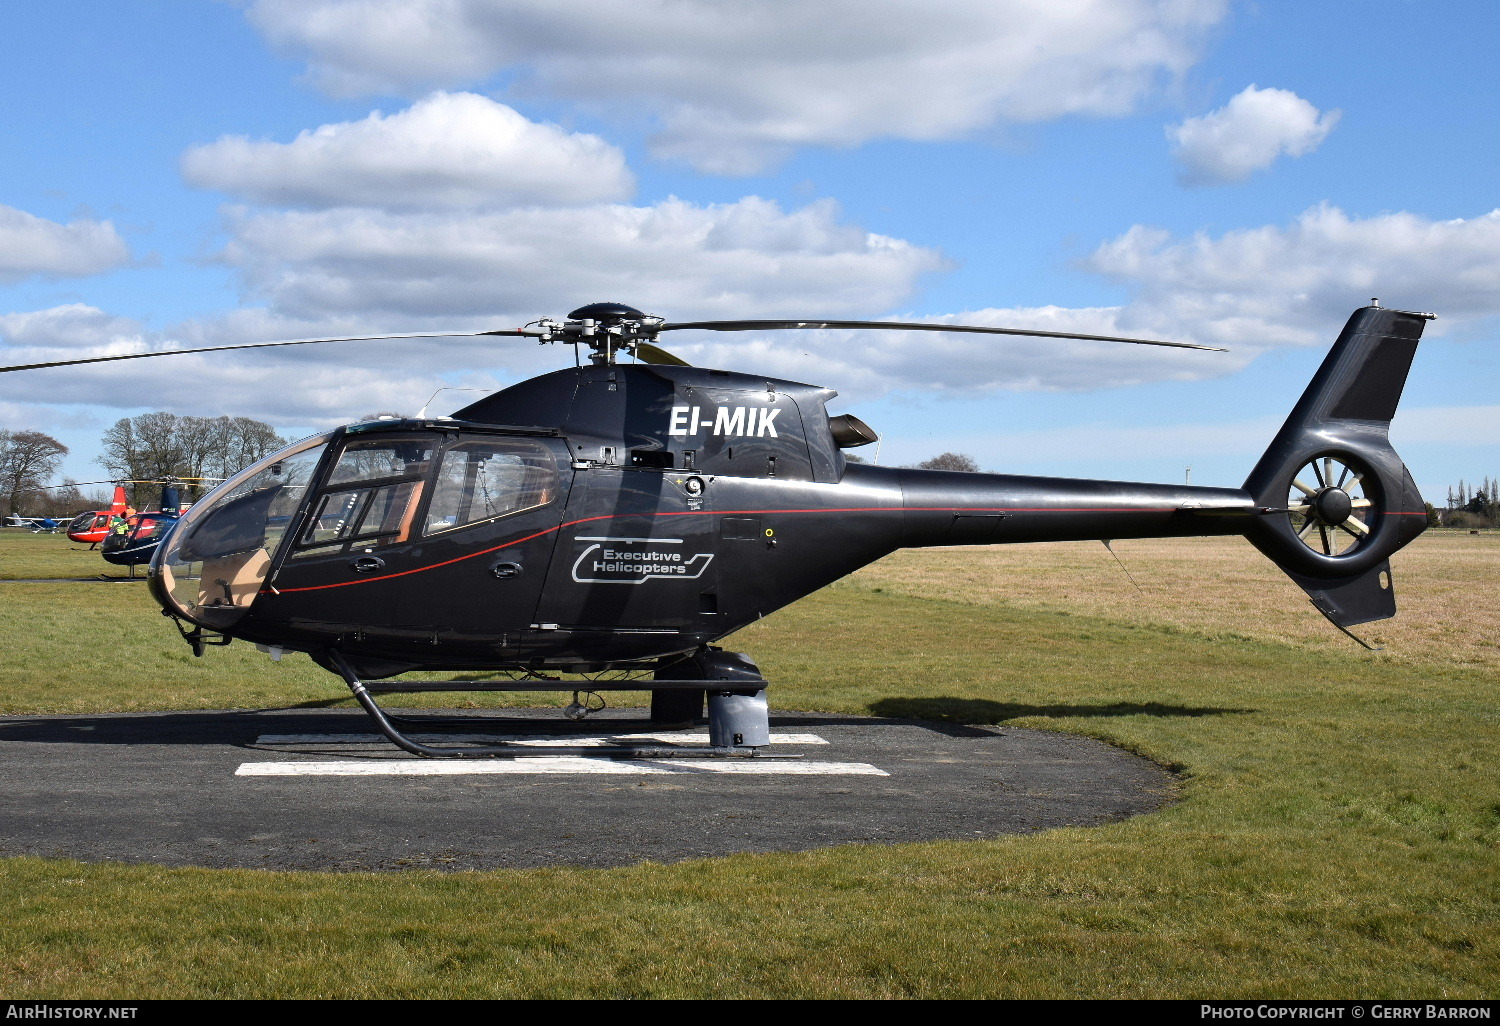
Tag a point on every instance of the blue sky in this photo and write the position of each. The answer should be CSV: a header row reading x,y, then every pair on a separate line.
x,y
211,173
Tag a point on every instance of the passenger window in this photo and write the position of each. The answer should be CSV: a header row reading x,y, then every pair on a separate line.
x,y
483,480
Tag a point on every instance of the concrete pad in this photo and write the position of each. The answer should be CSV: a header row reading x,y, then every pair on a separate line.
x,y
315,789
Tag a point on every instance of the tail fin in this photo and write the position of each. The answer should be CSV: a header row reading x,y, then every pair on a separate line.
x,y
1348,500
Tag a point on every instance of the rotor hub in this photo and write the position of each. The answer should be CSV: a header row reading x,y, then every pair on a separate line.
x,y
606,313
1332,506
606,328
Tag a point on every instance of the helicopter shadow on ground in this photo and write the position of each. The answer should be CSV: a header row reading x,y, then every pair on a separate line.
x,y
984,710
99,579
242,728
232,727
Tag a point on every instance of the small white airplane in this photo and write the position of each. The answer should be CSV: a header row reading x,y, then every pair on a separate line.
x,y
37,525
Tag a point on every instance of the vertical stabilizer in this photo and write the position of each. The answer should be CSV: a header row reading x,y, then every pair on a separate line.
x,y
1343,500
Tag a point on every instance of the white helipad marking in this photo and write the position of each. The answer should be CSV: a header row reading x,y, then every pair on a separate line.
x,y
523,739
554,764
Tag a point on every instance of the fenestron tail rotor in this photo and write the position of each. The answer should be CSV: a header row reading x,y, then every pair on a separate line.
x,y
1330,507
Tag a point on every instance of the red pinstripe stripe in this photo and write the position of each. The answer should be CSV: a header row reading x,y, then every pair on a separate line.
x,y
723,513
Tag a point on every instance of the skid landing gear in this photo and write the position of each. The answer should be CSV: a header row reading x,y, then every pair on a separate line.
x,y
738,714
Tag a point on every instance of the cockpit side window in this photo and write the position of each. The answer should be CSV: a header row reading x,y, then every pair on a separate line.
x,y
370,497
389,490
147,528
483,480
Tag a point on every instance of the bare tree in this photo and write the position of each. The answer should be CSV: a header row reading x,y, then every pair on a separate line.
x,y
157,445
240,441
27,460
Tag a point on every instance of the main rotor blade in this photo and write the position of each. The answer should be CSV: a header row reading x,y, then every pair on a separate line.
x,y
924,326
255,345
656,354
83,484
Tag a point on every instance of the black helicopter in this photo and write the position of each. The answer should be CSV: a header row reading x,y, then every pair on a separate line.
x,y
135,540
123,536
616,519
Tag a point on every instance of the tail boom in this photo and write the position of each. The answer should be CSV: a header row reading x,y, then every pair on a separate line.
x,y
1328,503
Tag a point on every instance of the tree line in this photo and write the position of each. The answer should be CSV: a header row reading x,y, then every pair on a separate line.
x,y
1471,506
942,461
148,447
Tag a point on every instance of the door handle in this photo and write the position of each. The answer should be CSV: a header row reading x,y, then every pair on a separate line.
x,y
503,570
366,564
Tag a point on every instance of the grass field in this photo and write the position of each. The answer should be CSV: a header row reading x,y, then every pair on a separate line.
x,y
1338,833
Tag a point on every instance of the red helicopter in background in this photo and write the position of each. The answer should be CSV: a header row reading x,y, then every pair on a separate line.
x,y
133,539
93,527
129,537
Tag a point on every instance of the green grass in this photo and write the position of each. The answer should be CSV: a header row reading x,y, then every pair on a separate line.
x,y
27,555
1338,835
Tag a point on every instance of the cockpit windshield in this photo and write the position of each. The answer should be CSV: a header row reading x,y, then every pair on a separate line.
x,y
381,490
215,562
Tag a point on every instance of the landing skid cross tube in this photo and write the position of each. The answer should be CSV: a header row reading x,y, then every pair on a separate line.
x,y
738,716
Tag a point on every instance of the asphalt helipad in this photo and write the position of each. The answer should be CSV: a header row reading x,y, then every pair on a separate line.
x,y
316,789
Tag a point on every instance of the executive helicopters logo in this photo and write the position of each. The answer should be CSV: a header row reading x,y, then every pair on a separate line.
x,y
636,561
752,421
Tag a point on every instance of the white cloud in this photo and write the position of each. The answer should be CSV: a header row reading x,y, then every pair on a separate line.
x,y
676,258
869,363
354,271
1292,285
33,246
1120,442
75,325
1247,135
1250,290
733,86
1449,426
323,384
34,417
447,150
361,271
